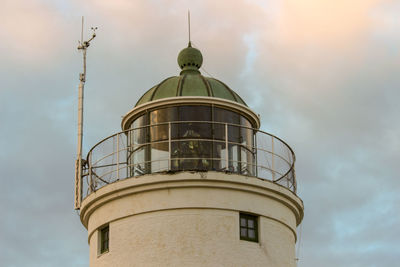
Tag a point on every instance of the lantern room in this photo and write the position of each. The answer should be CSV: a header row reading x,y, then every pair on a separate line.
x,y
190,123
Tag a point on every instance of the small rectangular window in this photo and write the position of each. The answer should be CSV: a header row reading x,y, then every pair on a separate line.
x,y
248,227
104,237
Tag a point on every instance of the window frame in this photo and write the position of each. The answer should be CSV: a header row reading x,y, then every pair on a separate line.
x,y
249,217
103,238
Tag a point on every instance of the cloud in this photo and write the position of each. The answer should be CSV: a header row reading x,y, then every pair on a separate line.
x,y
31,31
324,22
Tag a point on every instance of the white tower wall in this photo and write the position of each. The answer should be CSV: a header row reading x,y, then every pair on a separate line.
x,y
192,219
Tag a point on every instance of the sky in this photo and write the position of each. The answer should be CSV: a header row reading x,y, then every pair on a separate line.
x,y
322,74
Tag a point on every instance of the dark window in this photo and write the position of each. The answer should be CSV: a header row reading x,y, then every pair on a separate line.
x,y
248,227
223,115
104,239
194,113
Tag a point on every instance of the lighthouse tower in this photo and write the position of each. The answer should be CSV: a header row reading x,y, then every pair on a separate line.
x,y
190,181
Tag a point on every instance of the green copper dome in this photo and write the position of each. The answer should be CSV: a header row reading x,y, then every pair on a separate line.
x,y
190,82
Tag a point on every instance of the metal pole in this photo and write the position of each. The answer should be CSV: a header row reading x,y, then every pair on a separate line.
x,y
189,27
169,146
226,147
273,158
80,119
117,156
90,173
79,162
287,177
256,152
78,187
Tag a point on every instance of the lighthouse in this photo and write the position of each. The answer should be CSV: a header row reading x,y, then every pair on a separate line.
x,y
191,180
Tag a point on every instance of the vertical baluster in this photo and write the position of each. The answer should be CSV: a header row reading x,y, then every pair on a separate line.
x,y
226,147
169,146
288,178
117,156
255,150
273,158
90,173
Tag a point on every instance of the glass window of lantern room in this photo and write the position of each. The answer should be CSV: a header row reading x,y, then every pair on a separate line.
x,y
201,115
159,137
140,121
198,140
223,115
137,148
195,113
227,116
164,115
159,123
189,138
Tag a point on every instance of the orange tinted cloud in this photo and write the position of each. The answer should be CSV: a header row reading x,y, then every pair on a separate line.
x,y
29,30
324,21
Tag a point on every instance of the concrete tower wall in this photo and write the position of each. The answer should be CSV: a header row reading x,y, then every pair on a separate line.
x,y
192,219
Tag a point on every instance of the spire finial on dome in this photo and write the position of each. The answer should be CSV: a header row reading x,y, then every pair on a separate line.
x,y
190,59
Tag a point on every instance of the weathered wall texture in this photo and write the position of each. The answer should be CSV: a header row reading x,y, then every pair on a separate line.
x,y
192,219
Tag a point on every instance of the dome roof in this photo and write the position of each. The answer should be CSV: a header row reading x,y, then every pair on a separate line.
x,y
190,82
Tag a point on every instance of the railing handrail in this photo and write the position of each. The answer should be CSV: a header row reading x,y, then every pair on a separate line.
x,y
213,122
253,148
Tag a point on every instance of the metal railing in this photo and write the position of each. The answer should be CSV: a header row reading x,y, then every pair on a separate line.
x,y
189,145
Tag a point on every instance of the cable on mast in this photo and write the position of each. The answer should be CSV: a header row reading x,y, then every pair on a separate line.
x,y
80,164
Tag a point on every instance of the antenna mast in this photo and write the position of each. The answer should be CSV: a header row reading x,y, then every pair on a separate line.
x,y
80,163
